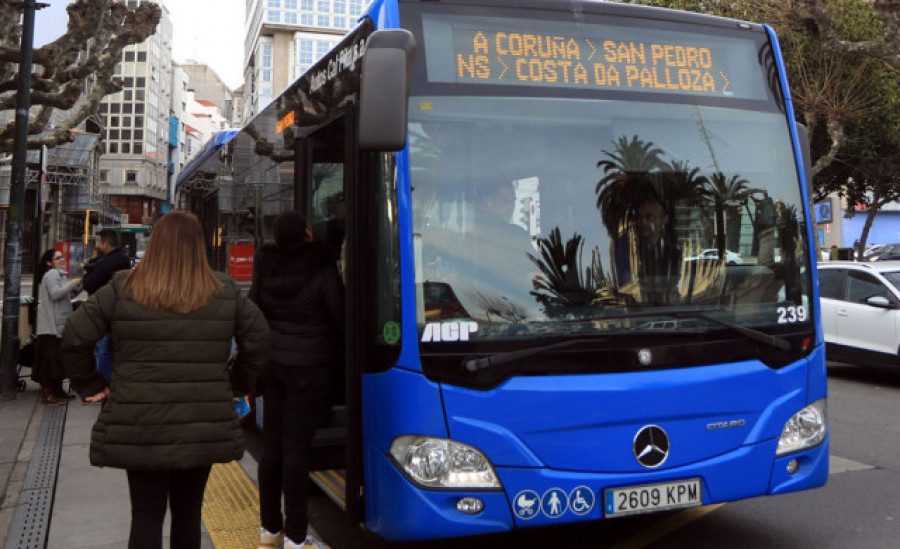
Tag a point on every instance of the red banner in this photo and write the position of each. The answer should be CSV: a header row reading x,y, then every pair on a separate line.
x,y
240,262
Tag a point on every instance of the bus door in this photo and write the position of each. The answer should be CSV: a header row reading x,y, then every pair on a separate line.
x,y
323,173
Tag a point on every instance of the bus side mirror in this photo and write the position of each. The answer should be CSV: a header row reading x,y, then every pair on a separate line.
x,y
384,90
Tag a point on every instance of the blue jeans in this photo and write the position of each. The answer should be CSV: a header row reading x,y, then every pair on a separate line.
x,y
104,357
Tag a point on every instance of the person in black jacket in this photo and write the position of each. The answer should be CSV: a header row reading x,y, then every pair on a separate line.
x,y
169,410
297,286
111,261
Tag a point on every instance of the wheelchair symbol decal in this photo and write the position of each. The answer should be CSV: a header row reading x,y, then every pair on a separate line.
x,y
581,500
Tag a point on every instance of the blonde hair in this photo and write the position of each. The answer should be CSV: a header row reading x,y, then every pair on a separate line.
x,y
174,274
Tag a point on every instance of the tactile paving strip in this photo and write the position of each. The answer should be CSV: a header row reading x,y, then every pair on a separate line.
x,y
31,523
231,507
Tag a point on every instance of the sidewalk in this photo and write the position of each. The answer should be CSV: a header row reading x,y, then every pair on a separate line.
x,y
91,507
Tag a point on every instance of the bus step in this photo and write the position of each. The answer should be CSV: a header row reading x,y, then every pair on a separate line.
x,y
338,415
333,484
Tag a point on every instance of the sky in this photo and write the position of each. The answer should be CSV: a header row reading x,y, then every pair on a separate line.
x,y
208,31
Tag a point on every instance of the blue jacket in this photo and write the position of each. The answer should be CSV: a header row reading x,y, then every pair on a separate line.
x,y
114,261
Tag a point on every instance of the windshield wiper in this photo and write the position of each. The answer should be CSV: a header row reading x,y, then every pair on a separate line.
x,y
755,335
476,364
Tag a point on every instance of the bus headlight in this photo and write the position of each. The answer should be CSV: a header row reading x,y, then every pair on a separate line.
x,y
805,429
441,463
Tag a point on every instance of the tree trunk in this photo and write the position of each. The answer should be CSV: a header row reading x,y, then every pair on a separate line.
x,y
870,218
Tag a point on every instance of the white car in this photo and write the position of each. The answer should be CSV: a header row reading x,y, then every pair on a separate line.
x,y
860,306
712,254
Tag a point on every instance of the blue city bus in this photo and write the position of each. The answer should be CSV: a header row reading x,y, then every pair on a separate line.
x,y
576,243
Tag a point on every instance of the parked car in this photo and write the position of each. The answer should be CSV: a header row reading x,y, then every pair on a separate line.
x,y
860,306
871,251
885,253
712,254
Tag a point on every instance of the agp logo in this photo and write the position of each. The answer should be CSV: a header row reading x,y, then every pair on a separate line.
x,y
448,331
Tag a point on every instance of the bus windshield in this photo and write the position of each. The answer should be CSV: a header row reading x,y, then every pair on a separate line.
x,y
550,208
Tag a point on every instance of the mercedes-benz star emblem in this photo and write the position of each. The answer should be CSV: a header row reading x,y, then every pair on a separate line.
x,y
651,446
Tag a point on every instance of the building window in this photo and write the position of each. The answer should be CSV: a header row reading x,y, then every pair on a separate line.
x,y
126,108
273,16
139,95
104,176
324,21
306,5
113,134
129,56
142,56
290,18
340,6
131,176
355,7
323,6
274,3
112,148
340,22
141,81
306,19
126,148
138,148
322,48
290,4
266,75
305,52
129,82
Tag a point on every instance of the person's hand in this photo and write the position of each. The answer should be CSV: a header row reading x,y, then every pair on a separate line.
x,y
99,397
77,281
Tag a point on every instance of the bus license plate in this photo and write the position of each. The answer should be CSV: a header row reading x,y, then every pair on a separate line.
x,y
652,497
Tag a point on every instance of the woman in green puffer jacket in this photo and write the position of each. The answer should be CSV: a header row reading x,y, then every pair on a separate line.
x,y
168,411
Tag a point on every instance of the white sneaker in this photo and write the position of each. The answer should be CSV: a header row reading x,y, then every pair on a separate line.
x,y
268,540
308,543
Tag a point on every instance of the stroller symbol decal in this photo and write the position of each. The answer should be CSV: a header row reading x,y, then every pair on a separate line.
x,y
526,504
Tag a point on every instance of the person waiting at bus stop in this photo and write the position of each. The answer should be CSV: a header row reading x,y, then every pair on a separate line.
x,y
169,412
297,286
53,309
111,261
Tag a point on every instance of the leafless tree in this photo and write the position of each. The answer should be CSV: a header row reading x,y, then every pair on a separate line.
x,y
71,74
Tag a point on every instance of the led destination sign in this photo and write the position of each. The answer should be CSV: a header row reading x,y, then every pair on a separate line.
x,y
480,50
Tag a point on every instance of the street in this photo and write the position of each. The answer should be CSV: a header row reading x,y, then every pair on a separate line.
x,y
858,507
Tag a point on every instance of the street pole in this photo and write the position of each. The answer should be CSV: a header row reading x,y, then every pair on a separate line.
x,y
12,267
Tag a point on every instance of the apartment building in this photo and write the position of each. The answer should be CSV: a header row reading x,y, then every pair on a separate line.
x,y
286,37
136,166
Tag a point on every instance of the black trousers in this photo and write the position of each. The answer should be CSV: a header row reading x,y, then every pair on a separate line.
x,y
295,404
150,492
